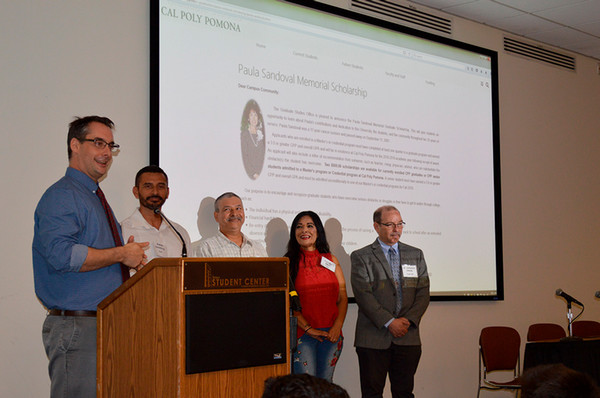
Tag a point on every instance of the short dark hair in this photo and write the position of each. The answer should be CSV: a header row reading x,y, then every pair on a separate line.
x,y
302,386
293,247
78,128
557,381
379,211
224,196
150,169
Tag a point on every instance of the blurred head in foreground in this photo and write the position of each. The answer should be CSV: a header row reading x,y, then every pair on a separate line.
x,y
557,381
302,386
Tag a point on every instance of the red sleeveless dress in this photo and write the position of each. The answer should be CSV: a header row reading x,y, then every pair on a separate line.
x,y
318,290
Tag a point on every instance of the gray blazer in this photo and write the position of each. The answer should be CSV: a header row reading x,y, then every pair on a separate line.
x,y
375,293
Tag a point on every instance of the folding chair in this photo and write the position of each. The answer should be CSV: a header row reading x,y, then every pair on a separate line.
x,y
586,329
545,331
499,350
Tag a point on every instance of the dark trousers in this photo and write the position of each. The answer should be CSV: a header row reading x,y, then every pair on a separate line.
x,y
399,361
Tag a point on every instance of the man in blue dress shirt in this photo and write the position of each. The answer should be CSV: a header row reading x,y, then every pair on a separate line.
x,y
76,258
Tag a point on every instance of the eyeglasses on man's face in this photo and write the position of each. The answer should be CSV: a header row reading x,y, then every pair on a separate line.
x,y
101,144
401,224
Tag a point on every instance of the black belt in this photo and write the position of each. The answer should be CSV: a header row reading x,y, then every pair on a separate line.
x,y
72,313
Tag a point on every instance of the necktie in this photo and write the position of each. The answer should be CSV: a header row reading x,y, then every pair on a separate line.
x,y
395,265
113,228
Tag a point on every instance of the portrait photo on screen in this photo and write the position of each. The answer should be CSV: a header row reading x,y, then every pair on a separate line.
x,y
252,138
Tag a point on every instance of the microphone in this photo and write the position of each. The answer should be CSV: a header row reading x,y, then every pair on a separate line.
x,y
294,299
183,248
597,294
570,299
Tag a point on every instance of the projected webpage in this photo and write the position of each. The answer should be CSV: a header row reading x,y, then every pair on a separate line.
x,y
295,110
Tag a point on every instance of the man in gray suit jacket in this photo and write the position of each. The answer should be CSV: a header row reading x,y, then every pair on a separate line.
x,y
391,288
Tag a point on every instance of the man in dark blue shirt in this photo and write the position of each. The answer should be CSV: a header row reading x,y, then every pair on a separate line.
x,y
77,257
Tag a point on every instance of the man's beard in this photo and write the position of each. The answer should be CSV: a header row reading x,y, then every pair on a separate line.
x,y
153,205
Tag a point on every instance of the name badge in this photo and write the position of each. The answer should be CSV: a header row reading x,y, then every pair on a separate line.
x,y
330,265
409,271
160,249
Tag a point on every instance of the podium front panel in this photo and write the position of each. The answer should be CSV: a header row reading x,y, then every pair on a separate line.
x,y
237,330
231,274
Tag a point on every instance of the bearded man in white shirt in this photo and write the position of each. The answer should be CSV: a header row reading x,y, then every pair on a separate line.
x,y
146,223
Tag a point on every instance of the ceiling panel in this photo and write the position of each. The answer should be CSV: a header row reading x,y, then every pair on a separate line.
x,y
561,37
537,5
483,11
591,28
574,14
441,4
524,24
569,24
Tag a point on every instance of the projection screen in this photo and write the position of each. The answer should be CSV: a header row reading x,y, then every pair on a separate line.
x,y
295,108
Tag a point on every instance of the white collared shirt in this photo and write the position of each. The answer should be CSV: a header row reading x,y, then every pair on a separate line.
x,y
163,242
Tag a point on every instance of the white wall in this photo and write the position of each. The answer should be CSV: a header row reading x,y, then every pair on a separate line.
x,y
73,58
59,59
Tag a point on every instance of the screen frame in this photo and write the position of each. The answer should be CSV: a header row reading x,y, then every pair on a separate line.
x,y
380,23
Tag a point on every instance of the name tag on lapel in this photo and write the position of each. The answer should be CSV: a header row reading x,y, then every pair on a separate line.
x,y
409,271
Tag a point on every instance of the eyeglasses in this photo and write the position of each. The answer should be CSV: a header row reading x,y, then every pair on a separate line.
x,y
401,224
101,144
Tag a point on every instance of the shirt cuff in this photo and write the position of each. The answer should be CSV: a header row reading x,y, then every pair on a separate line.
x,y
78,255
387,324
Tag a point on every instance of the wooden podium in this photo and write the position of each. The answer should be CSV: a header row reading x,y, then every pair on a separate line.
x,y
195,327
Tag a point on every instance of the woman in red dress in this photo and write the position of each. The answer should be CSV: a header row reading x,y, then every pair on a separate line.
x,y
321,287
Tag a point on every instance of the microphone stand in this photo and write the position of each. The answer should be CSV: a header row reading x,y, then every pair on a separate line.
x,y
294,306
570,318
570,337
183,248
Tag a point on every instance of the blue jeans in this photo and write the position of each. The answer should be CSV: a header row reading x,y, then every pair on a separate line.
x,y
70,343
317,358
